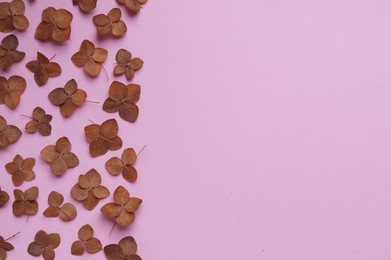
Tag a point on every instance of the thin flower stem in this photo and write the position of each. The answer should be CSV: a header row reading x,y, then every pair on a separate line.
x,y
91,121
141,150
52,57
95,102
27,220
27,116
111,231
14,235
107,75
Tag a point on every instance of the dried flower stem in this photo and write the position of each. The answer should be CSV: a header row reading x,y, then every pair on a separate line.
x,y
107,75
95,102
14,235
27,116
141,150
111,231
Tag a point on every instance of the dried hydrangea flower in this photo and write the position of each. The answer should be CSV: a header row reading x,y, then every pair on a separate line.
x,y
122,99
133,5
85,5
4,247
8,52
43,68
126,64
25,202
60,156
123,208
55,25
68,98
44,244
4,198
40,121
66,211
124,165
21,169
110,23
11,90
87,242
103,137
90,58
125,250
89,189
12,16
9,134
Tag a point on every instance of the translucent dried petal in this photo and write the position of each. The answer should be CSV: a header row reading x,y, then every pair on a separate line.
x,y
114,166
67,212
90,202
77,248
121,195
79,193
85,232
128,245
55,199
93,246
101,192
111,210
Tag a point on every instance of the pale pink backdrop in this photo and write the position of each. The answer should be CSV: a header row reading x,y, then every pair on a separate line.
x,y
267,125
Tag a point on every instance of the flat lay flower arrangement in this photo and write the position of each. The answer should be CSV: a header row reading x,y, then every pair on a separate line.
x,y
112,69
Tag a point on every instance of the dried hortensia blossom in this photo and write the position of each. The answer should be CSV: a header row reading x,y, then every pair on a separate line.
x,y
44,244
9,134
4,247
43,68
85,5
126,64
87,242
103,137
4,198
55,25
89,189
25,202
60,156
133,5
12,16
68,98
21,169
40,121
90,58
11,90
122,99
124,165
110,23
123,208
66,211
125,250
8,52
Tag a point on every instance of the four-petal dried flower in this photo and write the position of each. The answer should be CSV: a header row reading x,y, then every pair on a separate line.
x,y
43,68
133,5
85,5
55,25
66,211
125,250
9,134
4,247
21,169
25,202
87,242
68,98
12,16
123,165
8,52
40,121
44,244
11,90
90,58
60,156
126,64
4,198
122,99
123,208
110,23
103,137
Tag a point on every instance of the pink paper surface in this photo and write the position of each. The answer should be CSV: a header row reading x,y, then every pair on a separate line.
x,y
267,125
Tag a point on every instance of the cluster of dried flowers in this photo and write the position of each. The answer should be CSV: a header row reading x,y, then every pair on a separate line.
x,y
56,26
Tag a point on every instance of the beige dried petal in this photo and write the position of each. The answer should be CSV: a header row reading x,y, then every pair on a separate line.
x,y
67,212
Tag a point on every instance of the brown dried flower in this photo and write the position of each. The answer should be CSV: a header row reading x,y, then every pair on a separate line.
x,y
88,189
55,25
125,250
123,165
85,5
4,198
43,68
110,23
68,98
122,99
90,58
44,244
103,137
12,16
9,134
133,5
40,121
25,202
66,212
21,169
123,208
126,64
11,90
87,242
8,52
4,247
60,156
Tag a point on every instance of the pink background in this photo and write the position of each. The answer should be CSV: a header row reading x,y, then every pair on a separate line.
x,y
267,123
